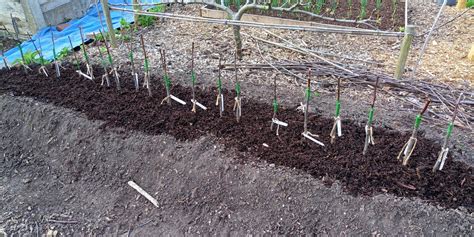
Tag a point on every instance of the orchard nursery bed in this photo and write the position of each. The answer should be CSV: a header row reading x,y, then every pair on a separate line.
x,y
377,172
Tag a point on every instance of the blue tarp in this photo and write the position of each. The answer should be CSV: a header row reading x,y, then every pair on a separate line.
x,y
89,23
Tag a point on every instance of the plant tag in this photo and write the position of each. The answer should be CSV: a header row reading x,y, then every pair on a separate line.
x,y
84,75
276,121
312,139
199,104
177,99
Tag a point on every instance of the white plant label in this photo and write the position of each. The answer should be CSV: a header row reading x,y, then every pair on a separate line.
x,y
199,104
312,139
177,99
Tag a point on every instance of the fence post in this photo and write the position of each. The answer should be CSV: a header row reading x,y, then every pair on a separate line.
x,y
136,7
404,49
108,20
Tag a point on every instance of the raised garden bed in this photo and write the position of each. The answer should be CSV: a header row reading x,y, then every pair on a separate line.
x,y
377,172
390,15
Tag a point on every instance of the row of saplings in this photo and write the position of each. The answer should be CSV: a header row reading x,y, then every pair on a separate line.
x,y
110,69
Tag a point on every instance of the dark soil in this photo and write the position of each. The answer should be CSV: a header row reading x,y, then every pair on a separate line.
x,y
375,173
389,17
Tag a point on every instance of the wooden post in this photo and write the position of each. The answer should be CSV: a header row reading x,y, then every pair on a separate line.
x,y
108,20
471,54
135,16
404,49
461,4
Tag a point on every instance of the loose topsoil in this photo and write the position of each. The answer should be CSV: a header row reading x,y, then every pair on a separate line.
x,y
375,173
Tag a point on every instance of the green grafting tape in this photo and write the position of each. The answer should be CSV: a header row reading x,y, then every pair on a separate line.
x,y
237,88
193,77
450,129
146,65
86,56
417,121
54,53
338,108
308,94
371,115
130,55
219,85
110,59
275,105
167,82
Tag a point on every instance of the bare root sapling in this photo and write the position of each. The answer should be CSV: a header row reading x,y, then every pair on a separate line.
x,y
409,147
443,154
369,134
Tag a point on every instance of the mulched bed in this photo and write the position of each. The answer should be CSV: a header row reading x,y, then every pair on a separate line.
x,y
388,18
377,172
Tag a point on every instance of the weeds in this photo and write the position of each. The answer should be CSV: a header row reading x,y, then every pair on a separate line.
x,y
363,9
146,21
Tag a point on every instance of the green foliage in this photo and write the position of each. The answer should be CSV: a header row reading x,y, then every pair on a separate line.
x,y
470,3
29,58
349,2
124,24
146,21
334,5
378,5
401,29
394,9
363,9
101,36
319,6
63,53
103,49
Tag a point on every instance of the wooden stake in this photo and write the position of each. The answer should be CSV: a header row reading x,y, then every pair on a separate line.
x,y
404,50
108,19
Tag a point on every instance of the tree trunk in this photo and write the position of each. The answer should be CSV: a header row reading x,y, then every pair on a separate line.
x,y
238,42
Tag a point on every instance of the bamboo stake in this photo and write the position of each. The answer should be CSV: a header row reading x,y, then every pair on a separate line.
x,y
306,133
409,147
55,61
114,69
42,68
336,128
238,101
443,154
103,62
89,70
167,82
23,62
193,79
220,96
76,61
369,137
132,64
146,65
166,78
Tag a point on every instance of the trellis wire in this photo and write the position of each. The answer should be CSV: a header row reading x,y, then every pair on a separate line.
x,y
262,25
